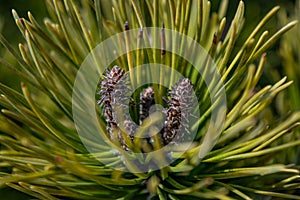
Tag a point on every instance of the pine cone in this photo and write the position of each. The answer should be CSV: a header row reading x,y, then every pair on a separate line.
x,y
146,101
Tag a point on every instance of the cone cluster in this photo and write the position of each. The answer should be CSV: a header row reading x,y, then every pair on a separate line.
x,y
115,100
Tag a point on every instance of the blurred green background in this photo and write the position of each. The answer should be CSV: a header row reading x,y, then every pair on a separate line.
x,y
10,31
255,9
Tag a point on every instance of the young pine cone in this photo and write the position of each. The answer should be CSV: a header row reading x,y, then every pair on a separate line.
x,y
180,104
115,100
